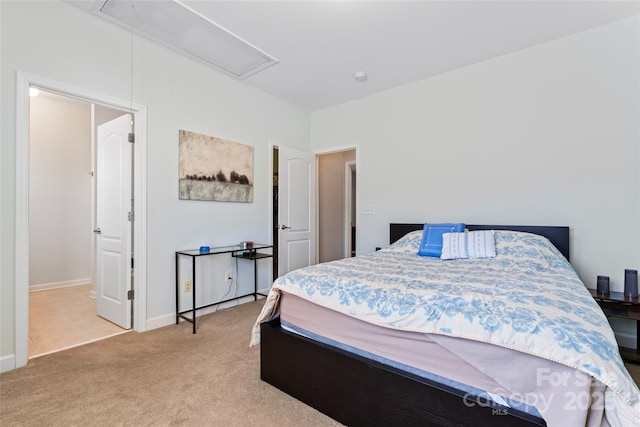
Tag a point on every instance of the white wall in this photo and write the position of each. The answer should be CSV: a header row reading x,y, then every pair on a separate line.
x,y
59,192
59,42
548,135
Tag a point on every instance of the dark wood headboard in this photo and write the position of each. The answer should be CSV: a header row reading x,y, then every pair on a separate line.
x,y
558,235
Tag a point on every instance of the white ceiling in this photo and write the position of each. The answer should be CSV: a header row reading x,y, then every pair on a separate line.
x,y
321,44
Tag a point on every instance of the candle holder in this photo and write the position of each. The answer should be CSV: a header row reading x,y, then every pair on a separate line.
x,y
630,283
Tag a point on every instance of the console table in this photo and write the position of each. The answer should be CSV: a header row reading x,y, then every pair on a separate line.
x,y
615,304
237,251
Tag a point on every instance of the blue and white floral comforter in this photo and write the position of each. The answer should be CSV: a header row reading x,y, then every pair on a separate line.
x,y
528,298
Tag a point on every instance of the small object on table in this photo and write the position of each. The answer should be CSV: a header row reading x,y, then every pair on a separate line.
x,y
204,249
630,283
603,285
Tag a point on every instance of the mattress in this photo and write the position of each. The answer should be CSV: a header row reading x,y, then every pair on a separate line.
x,y
518,380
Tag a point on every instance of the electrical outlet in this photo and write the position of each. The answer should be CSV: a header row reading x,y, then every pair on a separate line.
x,y
228,276
187,285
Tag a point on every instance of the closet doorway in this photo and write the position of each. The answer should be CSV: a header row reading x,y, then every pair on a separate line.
x,y
333,212
62,304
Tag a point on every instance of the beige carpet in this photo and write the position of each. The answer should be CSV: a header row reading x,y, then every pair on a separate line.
x,y
164,377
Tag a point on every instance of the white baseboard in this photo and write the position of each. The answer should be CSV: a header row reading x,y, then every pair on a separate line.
x,y
8,363
161,321
170,319
56,285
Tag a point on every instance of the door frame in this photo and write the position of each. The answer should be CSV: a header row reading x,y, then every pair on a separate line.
x,y
333,150
23,82
355,147
349,169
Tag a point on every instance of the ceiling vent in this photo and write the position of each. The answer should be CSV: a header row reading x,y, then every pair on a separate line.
x,y
175,25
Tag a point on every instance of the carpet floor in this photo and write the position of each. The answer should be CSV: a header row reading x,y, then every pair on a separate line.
x,y
164,377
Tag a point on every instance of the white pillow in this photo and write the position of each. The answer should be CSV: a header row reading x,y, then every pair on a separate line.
x,y
409,243
473,244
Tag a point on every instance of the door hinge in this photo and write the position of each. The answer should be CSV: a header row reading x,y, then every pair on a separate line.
x,y
132,137
130,295
131,263
131,216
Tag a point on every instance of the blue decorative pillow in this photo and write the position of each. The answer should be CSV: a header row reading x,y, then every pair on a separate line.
x,y
432,237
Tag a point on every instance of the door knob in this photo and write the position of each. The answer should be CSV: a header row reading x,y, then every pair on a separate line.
x,y
284,227
97,230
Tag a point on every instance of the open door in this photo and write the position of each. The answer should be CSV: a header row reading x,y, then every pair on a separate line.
x,y
296,209
113,225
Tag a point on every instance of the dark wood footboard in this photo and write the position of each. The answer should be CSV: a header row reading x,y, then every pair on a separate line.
x,y
360,392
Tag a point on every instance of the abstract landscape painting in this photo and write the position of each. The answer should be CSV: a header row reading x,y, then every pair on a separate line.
x,y
214,169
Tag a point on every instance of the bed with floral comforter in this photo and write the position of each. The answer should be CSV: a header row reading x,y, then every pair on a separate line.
x,y
528,298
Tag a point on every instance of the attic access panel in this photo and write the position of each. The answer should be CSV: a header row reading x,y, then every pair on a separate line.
x,y
181,28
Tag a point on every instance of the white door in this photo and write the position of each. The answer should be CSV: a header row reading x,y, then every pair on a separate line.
x,y
113,228
296,209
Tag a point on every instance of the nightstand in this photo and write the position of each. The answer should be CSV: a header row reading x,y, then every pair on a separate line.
x,y
616,304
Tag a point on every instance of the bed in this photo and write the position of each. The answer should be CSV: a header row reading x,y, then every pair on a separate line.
x,y
361,356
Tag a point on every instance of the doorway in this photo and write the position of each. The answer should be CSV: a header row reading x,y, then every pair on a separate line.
x,y
331,206
62,305
336,205
350,209
24,83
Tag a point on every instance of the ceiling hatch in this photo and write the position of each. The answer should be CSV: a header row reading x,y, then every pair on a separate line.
x,y
175,25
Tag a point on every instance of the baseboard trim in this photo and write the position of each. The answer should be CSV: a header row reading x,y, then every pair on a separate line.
x,y
170,319
56,285
7,363
161,321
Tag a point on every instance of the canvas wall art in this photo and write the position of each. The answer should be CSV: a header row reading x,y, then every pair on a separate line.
x,y
214,169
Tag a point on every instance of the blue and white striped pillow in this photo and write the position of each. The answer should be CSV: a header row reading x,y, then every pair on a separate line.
x,y
473,244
